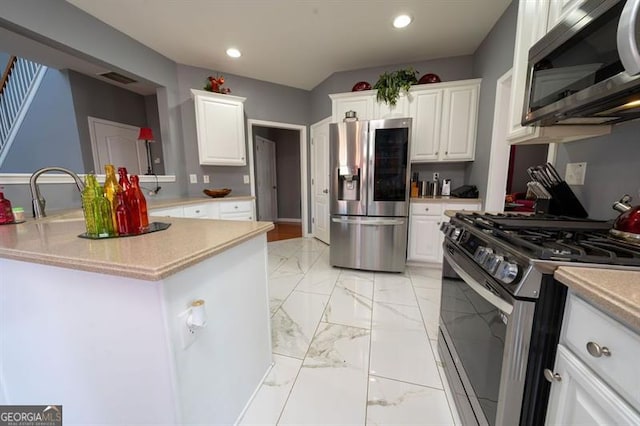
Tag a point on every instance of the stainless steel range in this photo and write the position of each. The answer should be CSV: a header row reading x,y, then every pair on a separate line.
x,y
501,309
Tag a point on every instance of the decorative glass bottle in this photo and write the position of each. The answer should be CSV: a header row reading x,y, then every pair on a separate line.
x,y
111,188
123,215
102,213
138,205
88,195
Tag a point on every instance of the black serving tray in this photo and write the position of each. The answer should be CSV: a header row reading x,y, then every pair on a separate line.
x,y
153,227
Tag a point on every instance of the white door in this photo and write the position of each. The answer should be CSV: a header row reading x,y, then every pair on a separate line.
x,y
117,144
320,180
266,179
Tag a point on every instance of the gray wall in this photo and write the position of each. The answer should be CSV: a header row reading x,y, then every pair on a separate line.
x,y
265,101
525,157
493,58
61,25
448,69
95,98
454,171
153,121
613,168
48,135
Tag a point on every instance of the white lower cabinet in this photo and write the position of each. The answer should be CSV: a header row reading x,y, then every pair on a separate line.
x,y
581,398
425,239
225,210
596,376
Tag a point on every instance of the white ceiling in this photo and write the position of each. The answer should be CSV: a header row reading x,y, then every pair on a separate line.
x,y
300,43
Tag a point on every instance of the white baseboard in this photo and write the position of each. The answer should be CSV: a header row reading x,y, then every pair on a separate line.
x,y
284,219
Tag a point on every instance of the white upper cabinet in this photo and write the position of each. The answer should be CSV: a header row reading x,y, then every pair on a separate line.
x,y
220,129
399,110
425,138
360,102
531,25
535,18
444,117
459,120
559,9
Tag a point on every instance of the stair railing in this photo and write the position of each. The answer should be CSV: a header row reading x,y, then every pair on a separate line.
x,y
18,86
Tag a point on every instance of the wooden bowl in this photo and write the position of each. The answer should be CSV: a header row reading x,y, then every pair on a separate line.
x,y
217,193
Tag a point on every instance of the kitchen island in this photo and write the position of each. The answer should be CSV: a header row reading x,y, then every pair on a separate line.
x,y
100,326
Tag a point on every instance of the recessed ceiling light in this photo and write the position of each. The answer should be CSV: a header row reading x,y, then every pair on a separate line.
x,y
401,21
233,52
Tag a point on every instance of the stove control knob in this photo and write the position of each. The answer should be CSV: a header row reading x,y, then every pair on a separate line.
x,y
487,258
492,266
455,233
444,227
507,272
481,254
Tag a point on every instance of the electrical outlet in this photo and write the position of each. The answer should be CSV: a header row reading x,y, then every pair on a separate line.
x,y
193,178
188,334
246,178
575,173
205,178
436,176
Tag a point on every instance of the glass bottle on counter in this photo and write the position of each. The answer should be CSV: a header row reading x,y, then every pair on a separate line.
x,y
124,180
111,188
6,212
102,213
88,206
123,215
138,205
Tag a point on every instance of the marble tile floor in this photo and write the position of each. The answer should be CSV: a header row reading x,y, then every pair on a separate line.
x,y
350,347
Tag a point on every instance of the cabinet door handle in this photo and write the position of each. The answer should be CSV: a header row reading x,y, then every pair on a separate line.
x,y
426,209
326,191
446,153
596,351
551,376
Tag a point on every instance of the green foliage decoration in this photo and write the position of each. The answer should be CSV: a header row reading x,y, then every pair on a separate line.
x,y
391,84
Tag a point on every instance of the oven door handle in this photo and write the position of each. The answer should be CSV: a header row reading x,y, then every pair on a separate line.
x,y
626,37
488,295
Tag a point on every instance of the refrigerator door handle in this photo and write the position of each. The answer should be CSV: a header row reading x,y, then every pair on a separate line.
x,y
374,222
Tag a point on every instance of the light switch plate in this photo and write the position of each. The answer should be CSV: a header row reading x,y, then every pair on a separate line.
x,y
575,173
205,178
193,178
246,178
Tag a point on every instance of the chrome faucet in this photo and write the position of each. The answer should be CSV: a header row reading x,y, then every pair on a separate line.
x,y
37,199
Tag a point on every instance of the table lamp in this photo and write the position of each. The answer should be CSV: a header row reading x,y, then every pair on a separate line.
x,y
146,135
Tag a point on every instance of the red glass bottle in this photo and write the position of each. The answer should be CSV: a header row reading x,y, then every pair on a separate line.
x,y
123,216
138,205
124,180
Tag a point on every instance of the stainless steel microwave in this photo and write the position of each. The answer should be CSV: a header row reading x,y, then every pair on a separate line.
x,y
586,70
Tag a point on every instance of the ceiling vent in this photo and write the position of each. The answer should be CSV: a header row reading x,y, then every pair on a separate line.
x,y
111,75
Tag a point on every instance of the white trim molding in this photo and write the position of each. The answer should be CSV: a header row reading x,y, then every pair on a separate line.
x,y
288,220
23,178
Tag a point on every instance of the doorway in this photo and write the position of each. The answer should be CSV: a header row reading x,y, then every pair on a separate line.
x,y
117,143
287,203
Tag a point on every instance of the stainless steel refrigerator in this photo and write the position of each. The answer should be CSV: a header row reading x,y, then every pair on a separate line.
x,y
370,194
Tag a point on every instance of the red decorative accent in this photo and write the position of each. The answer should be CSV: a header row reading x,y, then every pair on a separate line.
x,y
361,85
146,134
429,78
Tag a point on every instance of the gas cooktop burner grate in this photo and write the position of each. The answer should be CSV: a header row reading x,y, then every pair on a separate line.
x,y
557,238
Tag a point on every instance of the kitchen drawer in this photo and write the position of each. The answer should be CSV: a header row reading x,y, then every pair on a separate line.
x,y
235,207
168,212
583,323
427,209
198,211
470,207
240,215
